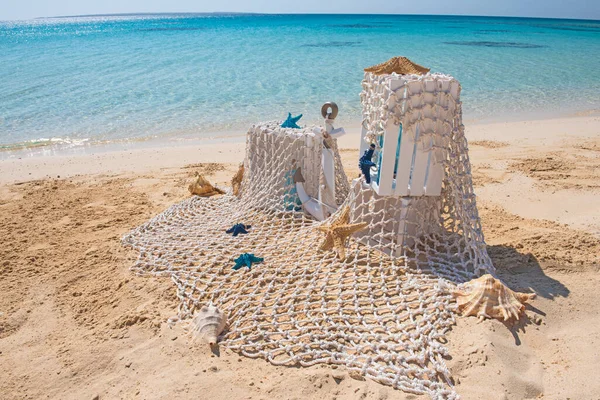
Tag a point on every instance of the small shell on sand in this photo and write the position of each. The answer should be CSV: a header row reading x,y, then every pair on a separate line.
x,y
208,324
487,297
203,188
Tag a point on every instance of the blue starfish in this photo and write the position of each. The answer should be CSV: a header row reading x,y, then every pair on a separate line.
x,y
246,259
237,229
365,163
290,122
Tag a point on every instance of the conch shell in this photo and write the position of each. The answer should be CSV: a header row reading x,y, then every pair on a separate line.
x,y
208,324
236,181
203,188
487,297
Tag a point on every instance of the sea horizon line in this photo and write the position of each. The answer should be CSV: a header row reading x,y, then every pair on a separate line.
x,y
242,13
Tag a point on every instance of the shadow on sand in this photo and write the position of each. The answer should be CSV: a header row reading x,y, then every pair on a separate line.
x,y
522,272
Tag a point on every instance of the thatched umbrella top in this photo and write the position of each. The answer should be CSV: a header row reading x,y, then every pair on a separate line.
x,y
399,65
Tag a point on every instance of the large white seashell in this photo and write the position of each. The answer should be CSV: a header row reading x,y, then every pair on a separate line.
x,y
208,324
487,297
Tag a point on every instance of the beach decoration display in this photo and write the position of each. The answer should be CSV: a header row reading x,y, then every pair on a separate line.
x,y
413,145
488,297
203,188
295,169
208,324
408,114
358,275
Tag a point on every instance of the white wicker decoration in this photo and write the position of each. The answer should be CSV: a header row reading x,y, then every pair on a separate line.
x,y
409,118
304,150
379,316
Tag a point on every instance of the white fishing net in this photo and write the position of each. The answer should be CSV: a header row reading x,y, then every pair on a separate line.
x,y
379,316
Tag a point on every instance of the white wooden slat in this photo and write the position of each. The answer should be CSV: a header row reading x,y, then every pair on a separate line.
x,y
433,185
388,161
407,146
417,179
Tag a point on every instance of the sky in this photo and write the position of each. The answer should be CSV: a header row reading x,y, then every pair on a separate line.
x,y
583,9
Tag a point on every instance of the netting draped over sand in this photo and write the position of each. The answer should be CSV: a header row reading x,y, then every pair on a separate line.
x,y
380,316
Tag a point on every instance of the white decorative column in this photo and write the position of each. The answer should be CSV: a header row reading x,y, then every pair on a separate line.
x,y
409,114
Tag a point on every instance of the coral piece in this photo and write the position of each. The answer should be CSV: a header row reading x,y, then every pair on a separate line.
x,y
398,65
208,324
338,232
238,228
487,297
246,259
236,181
290,122
365,163
203,188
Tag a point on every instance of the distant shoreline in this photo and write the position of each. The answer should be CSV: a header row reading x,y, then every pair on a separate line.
x,y
138,156
65,146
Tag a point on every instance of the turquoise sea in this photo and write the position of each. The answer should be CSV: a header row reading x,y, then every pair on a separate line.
x,y
114,78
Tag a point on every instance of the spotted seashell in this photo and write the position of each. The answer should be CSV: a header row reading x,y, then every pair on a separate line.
x,y
487,297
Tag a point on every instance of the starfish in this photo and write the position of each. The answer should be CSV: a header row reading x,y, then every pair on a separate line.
x,y
246,259
365,163
338,232
290,122
237,229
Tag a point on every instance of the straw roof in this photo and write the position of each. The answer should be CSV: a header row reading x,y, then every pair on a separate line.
x,y
399,65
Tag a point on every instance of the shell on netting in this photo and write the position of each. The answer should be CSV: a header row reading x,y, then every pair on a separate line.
x,y
487,297
203,188
208,324
236,181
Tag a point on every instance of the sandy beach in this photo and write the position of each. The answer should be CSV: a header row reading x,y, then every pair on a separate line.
x,y
75,323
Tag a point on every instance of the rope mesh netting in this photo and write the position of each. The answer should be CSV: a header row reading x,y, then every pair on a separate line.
x,y
379,316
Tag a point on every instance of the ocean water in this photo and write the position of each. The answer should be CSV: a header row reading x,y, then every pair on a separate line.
x,y
114,78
